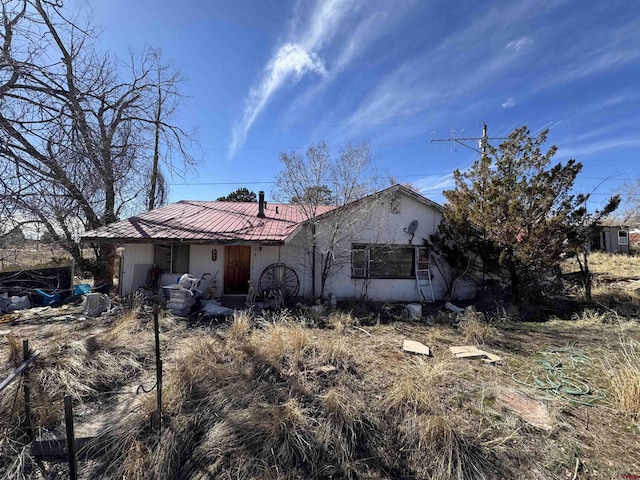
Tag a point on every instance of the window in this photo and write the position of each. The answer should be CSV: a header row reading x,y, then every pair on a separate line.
x,y
387,261
623,237
171,258
359,261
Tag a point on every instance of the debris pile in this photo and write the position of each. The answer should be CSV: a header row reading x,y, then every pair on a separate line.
x,y
24,289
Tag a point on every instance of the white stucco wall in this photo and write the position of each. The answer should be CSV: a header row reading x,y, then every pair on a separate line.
x,y
137,259
385,223
382,221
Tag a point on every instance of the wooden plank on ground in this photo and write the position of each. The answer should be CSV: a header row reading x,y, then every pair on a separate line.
x,y
467,351
415,347
492,358
471,352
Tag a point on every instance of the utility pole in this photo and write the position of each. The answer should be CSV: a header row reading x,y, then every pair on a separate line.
x,y
483,144
483,141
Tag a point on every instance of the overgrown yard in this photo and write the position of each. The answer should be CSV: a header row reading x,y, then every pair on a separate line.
x,y
293,396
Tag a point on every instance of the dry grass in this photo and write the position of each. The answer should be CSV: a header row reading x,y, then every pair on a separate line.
x,y
247,404
623,373
615,265
414,387
619,301
437,448
341,320
281,396
32,254
476,330
240,326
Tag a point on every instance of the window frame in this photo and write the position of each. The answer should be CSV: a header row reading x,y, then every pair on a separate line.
x,y
623,239
363,261
173,257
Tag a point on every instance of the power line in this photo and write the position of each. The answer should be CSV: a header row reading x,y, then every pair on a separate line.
x,y
483,141
319,125
271,182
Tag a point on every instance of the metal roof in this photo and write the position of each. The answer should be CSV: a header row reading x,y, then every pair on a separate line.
x,y
200,221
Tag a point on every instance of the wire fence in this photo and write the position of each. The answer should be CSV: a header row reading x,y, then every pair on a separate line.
x,y
21,374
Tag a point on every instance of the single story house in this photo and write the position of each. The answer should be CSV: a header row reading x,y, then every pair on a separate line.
x,y
373,248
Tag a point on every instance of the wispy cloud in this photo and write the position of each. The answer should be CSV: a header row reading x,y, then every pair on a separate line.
x,y
519,44
290,62
584,150
434,184
600,52
424,82
324,41
400,94
598,63
509,103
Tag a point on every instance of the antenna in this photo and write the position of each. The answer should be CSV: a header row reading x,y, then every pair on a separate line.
x,y
483,141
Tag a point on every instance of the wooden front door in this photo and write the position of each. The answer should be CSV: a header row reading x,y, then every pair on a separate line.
x,y
237,263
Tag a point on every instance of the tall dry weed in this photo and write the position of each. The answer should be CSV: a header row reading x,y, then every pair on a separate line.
x,y
239,328
349,430
202,371
623,373
414,388
281,346
476,330
433,446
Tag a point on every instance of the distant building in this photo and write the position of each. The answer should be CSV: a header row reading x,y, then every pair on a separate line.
x,y
612,238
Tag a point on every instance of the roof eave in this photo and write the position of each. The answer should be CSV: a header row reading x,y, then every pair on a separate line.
x,y
199,241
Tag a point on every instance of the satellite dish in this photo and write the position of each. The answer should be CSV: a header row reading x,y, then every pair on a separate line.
x,y
413,226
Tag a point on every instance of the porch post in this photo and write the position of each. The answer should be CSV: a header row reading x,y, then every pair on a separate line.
x,y
313,262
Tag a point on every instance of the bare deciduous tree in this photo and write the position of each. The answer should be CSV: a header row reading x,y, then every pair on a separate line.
x,y
312,179
629,211
77,137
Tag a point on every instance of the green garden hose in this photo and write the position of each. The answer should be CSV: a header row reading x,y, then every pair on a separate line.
x,y
557,375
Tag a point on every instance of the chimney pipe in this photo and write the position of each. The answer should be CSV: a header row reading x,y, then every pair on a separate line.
x,y
261,204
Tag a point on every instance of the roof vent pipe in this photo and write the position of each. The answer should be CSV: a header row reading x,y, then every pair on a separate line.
x,y
261,204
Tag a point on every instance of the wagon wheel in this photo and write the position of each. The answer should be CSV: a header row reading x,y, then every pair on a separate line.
x,y
280,280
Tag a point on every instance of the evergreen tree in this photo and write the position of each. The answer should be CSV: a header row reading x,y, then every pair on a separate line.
x,y
508,213
240,195
582,227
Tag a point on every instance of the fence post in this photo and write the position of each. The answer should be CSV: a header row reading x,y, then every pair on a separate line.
x,y
27,390
156,328
71,441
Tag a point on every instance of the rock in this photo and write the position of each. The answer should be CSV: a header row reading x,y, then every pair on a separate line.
x,y
531,411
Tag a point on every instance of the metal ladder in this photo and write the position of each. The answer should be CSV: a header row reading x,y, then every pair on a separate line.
x,y
423,280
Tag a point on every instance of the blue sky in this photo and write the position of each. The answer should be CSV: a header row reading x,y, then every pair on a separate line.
x,y
267,76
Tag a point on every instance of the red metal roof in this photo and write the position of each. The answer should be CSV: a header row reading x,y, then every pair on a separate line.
x,y
198,221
